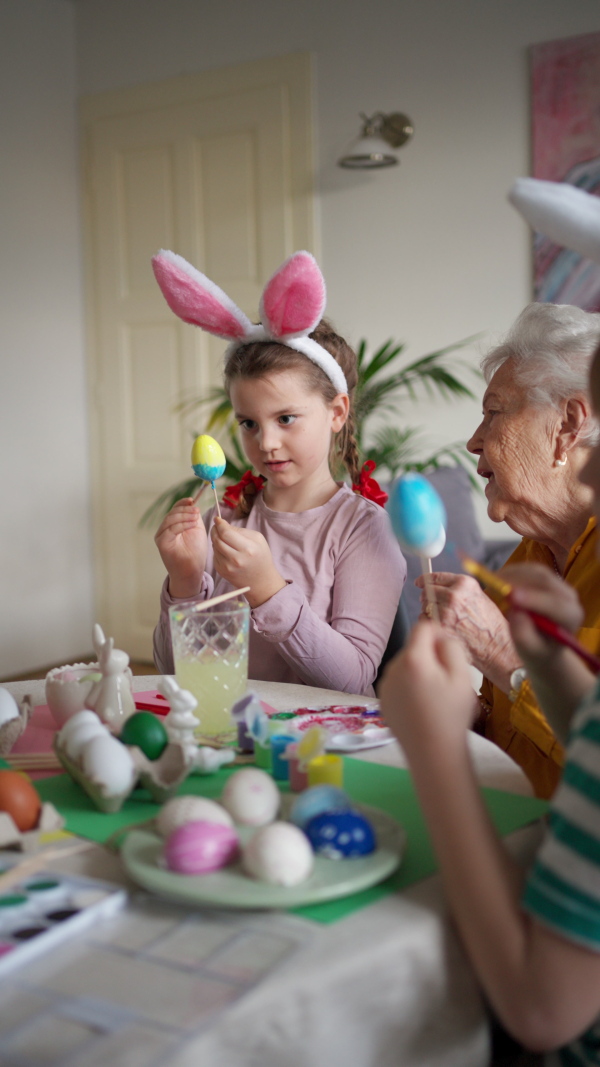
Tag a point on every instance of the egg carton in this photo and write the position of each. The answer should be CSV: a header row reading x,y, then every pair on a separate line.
x,y
11,731
49,822
159,777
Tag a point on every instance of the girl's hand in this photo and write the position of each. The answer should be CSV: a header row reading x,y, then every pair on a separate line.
x,y
426,694
537,588
470,615
243,557
182,543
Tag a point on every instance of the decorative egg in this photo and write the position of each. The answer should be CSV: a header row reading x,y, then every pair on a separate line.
x,y
417,515
147,732
9,708
20,800
180,810
279,854
317,799
78,730
105,761
341,834
200,847
251,797
208,458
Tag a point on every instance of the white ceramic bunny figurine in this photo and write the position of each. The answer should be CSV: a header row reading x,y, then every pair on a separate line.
x,y
111,698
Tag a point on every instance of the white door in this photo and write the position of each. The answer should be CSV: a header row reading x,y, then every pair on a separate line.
x,y
217,167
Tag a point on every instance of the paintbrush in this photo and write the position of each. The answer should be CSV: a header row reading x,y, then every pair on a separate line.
x,y
542,622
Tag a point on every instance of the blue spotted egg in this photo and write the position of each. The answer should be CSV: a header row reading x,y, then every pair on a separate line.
x,y
208,458
341,835
317,799
417,515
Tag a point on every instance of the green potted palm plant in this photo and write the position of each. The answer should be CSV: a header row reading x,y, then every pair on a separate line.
x,y
384,382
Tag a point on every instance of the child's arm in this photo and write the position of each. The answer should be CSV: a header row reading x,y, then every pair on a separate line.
x,y
182,542
560,679
545,989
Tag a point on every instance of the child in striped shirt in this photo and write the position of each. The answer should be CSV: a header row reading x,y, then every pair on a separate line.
x,y
536,950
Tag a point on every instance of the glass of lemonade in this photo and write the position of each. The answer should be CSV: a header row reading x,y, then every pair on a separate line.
x,y
210,649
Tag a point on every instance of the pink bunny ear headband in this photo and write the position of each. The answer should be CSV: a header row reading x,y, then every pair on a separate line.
x,y
291,305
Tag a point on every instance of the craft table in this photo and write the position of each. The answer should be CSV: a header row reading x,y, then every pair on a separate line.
x,y
386,986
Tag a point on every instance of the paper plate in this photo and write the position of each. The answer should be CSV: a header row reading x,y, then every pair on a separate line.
x,y
231,888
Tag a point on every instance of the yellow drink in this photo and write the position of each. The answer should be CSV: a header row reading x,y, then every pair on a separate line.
x,y
216,683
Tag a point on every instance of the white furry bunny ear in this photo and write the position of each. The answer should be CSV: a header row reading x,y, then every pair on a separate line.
x,y
293,300
567,215
197,300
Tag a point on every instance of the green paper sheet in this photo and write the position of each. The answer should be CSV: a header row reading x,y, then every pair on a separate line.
x,y
388,788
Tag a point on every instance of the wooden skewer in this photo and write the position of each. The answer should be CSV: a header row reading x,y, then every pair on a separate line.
x,y
35,863
430,588
35,761
223,596
216,499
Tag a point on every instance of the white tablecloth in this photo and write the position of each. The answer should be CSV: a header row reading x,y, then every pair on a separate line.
x,y
388,986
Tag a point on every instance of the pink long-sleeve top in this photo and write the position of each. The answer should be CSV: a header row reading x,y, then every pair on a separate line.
x,y
330,624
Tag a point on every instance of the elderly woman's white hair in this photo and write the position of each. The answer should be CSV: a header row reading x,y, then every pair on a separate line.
x,y
552,346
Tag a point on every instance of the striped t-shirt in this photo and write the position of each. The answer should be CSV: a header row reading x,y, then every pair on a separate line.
x,y
563,888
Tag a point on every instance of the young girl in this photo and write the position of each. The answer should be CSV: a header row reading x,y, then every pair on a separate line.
x,y
536,953
324,570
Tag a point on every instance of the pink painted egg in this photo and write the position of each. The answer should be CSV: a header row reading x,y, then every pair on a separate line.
x,y
200,847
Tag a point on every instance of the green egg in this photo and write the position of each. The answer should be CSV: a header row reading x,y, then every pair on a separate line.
x,y
147,732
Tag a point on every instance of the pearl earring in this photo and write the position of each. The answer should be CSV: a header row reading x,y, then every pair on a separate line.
x,y
560,462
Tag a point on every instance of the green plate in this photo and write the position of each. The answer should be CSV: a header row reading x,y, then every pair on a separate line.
x,y
230,887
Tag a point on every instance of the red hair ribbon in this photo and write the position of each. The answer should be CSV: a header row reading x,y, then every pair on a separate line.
x,y
233,493
368,487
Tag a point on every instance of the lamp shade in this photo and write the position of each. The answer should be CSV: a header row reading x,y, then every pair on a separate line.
x,y
368,153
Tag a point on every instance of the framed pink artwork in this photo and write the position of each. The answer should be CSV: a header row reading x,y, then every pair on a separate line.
x,y
566,147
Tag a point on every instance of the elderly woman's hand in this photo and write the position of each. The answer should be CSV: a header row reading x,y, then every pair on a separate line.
x,y
426,694
470,615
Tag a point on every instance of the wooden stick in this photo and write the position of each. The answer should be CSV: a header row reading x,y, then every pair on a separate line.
x,y
216,499
429,588
223,596
197,495
36,863
35,761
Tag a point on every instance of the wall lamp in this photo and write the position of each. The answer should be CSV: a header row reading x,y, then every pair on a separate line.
x,y
379,133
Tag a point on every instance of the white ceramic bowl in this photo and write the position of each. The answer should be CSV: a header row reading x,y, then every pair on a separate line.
x,y
67,689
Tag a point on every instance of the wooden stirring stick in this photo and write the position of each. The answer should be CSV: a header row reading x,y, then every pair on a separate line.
x,y
223,596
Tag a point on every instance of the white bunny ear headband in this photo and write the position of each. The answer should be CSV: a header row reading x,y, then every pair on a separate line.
x,y
291,305
567,215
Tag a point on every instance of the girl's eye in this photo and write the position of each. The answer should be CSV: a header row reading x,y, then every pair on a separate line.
x,y
287,420
247,424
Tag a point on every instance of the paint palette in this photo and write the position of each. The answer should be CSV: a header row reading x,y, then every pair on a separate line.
x,y
46,908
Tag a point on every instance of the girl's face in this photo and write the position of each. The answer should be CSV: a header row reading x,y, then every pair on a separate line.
x,y
590,473
286,429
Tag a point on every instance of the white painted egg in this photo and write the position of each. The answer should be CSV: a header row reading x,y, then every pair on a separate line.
x,y
251,797
279,854
180,810
108,763
74,736
9,709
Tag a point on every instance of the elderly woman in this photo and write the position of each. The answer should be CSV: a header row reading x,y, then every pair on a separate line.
x,y
534,438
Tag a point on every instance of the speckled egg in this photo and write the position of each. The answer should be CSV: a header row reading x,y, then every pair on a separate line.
x,y
279,854
251,797
317,799
208,458
341,834
200,847
180,810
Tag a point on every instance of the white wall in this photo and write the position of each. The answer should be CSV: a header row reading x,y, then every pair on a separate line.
x,y
428,252
46,577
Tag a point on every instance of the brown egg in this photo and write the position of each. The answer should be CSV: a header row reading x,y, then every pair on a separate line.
x,y
19,798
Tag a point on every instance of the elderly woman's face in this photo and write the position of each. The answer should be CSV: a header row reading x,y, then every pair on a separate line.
x,y
514,443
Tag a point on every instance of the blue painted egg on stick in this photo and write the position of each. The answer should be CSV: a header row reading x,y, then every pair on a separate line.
x,y
418,516
208,461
